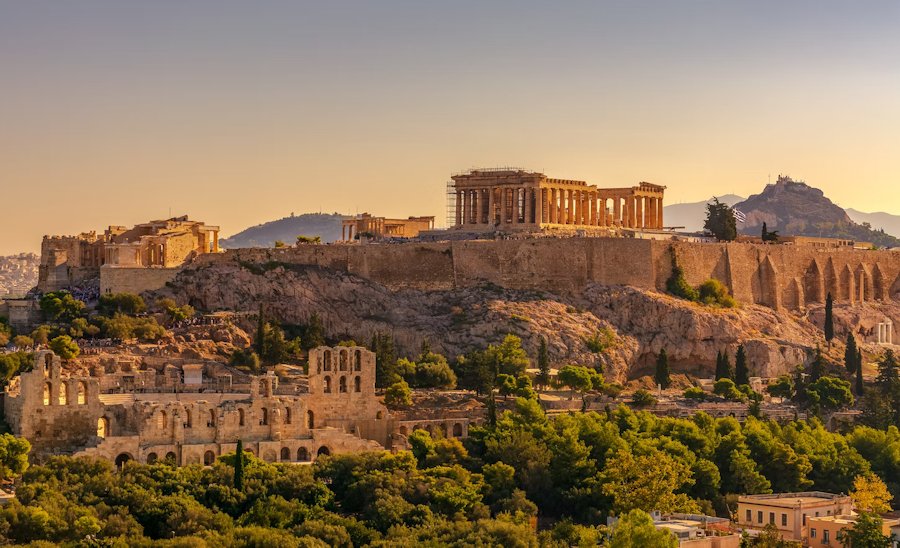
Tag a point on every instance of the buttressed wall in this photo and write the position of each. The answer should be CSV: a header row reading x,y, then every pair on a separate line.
x,y
772,275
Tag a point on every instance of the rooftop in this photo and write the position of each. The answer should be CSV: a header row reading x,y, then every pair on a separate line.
x,y
789,500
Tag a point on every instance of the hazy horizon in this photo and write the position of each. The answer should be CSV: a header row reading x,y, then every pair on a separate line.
x,y
237,113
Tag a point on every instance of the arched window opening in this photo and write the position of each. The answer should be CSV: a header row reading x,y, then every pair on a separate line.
x,y
310,420
379,415
264,420
188,422
357,384
357,363
457,430
212,418
209,458
151,458
161,420
302,455
48,361
327,384
285,454
327,365
170,457
240,417
343,385
63,397
343,356
102,427
323,451
287,415
48,388
82,393
122,459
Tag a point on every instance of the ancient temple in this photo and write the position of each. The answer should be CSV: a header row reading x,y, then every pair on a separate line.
x,y
515,199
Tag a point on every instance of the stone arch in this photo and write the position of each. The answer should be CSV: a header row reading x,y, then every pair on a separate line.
x,y
832,281
327,384
357,384
151,458
63,395
285,454
766,281
102,427
846,289
188,419
357,362
323,451
302,455
82,393
170,456
211,421
457,430
814,283
241,417
327,358
209,458
48,363
310,420
342,358
287,415
122,458
264,418
48,389
878,283
162,420
342,385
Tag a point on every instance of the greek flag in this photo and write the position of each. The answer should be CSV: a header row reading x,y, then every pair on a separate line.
x,y
739,216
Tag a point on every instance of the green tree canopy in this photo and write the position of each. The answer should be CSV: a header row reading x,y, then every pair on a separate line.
x,y
720,221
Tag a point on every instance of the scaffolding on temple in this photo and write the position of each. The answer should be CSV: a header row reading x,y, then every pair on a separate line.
x,y
451,204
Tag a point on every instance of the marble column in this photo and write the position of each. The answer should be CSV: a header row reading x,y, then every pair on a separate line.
x,y
529,196
492,206
503,200
639,216
458,207
659,213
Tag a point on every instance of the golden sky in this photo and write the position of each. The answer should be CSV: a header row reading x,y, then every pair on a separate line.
x,y
238,113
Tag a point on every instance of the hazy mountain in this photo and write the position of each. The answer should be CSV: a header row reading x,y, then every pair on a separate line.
x,y
692,214
880,220
327,226
797,209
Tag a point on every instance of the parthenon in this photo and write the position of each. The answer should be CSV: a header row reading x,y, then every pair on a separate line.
x,y
515,199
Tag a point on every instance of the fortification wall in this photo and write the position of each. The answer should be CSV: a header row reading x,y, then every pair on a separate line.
x,y
134,280
772,275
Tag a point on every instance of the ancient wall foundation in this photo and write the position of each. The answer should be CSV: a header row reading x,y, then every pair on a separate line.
x,y
778,276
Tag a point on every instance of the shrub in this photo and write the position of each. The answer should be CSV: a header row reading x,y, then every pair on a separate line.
x,y
695,393
398,395
124,303
643,398
677,284
712,292
726,388
65,347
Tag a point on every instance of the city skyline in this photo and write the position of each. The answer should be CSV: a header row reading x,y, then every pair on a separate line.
x,y
239,114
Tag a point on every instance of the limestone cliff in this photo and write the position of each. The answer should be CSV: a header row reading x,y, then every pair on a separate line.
x,y
456,321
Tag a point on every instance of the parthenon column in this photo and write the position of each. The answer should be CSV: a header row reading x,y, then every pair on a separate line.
x,y
659,213
579,220
570,207
503,199
529,195
639,217
491,207
458,207
630,206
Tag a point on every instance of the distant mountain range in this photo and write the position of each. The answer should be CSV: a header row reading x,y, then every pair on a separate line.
x,y
326,226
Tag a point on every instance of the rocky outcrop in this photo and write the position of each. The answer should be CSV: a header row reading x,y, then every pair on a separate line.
x,y
639,322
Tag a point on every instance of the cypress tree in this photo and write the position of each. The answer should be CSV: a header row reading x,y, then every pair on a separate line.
x,y
239,466
850,354
721,368
726,366
765,231
543,364
662,370
818,364
741,372
829,319
859,378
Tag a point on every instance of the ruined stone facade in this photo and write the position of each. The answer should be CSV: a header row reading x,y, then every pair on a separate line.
x,y
62,413
381,228
163,245
516,200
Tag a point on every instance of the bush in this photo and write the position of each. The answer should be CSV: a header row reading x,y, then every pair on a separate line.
x,y
125,327
603,339
726,388
712,292
677,284
65,347
643,398
695,393
245,358
398,395
123,303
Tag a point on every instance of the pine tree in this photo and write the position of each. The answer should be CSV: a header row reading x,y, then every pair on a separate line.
x,y
662,370
817,367
543,377
829,319
741,372
239,466
858,362
385,359
850,354
726,366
